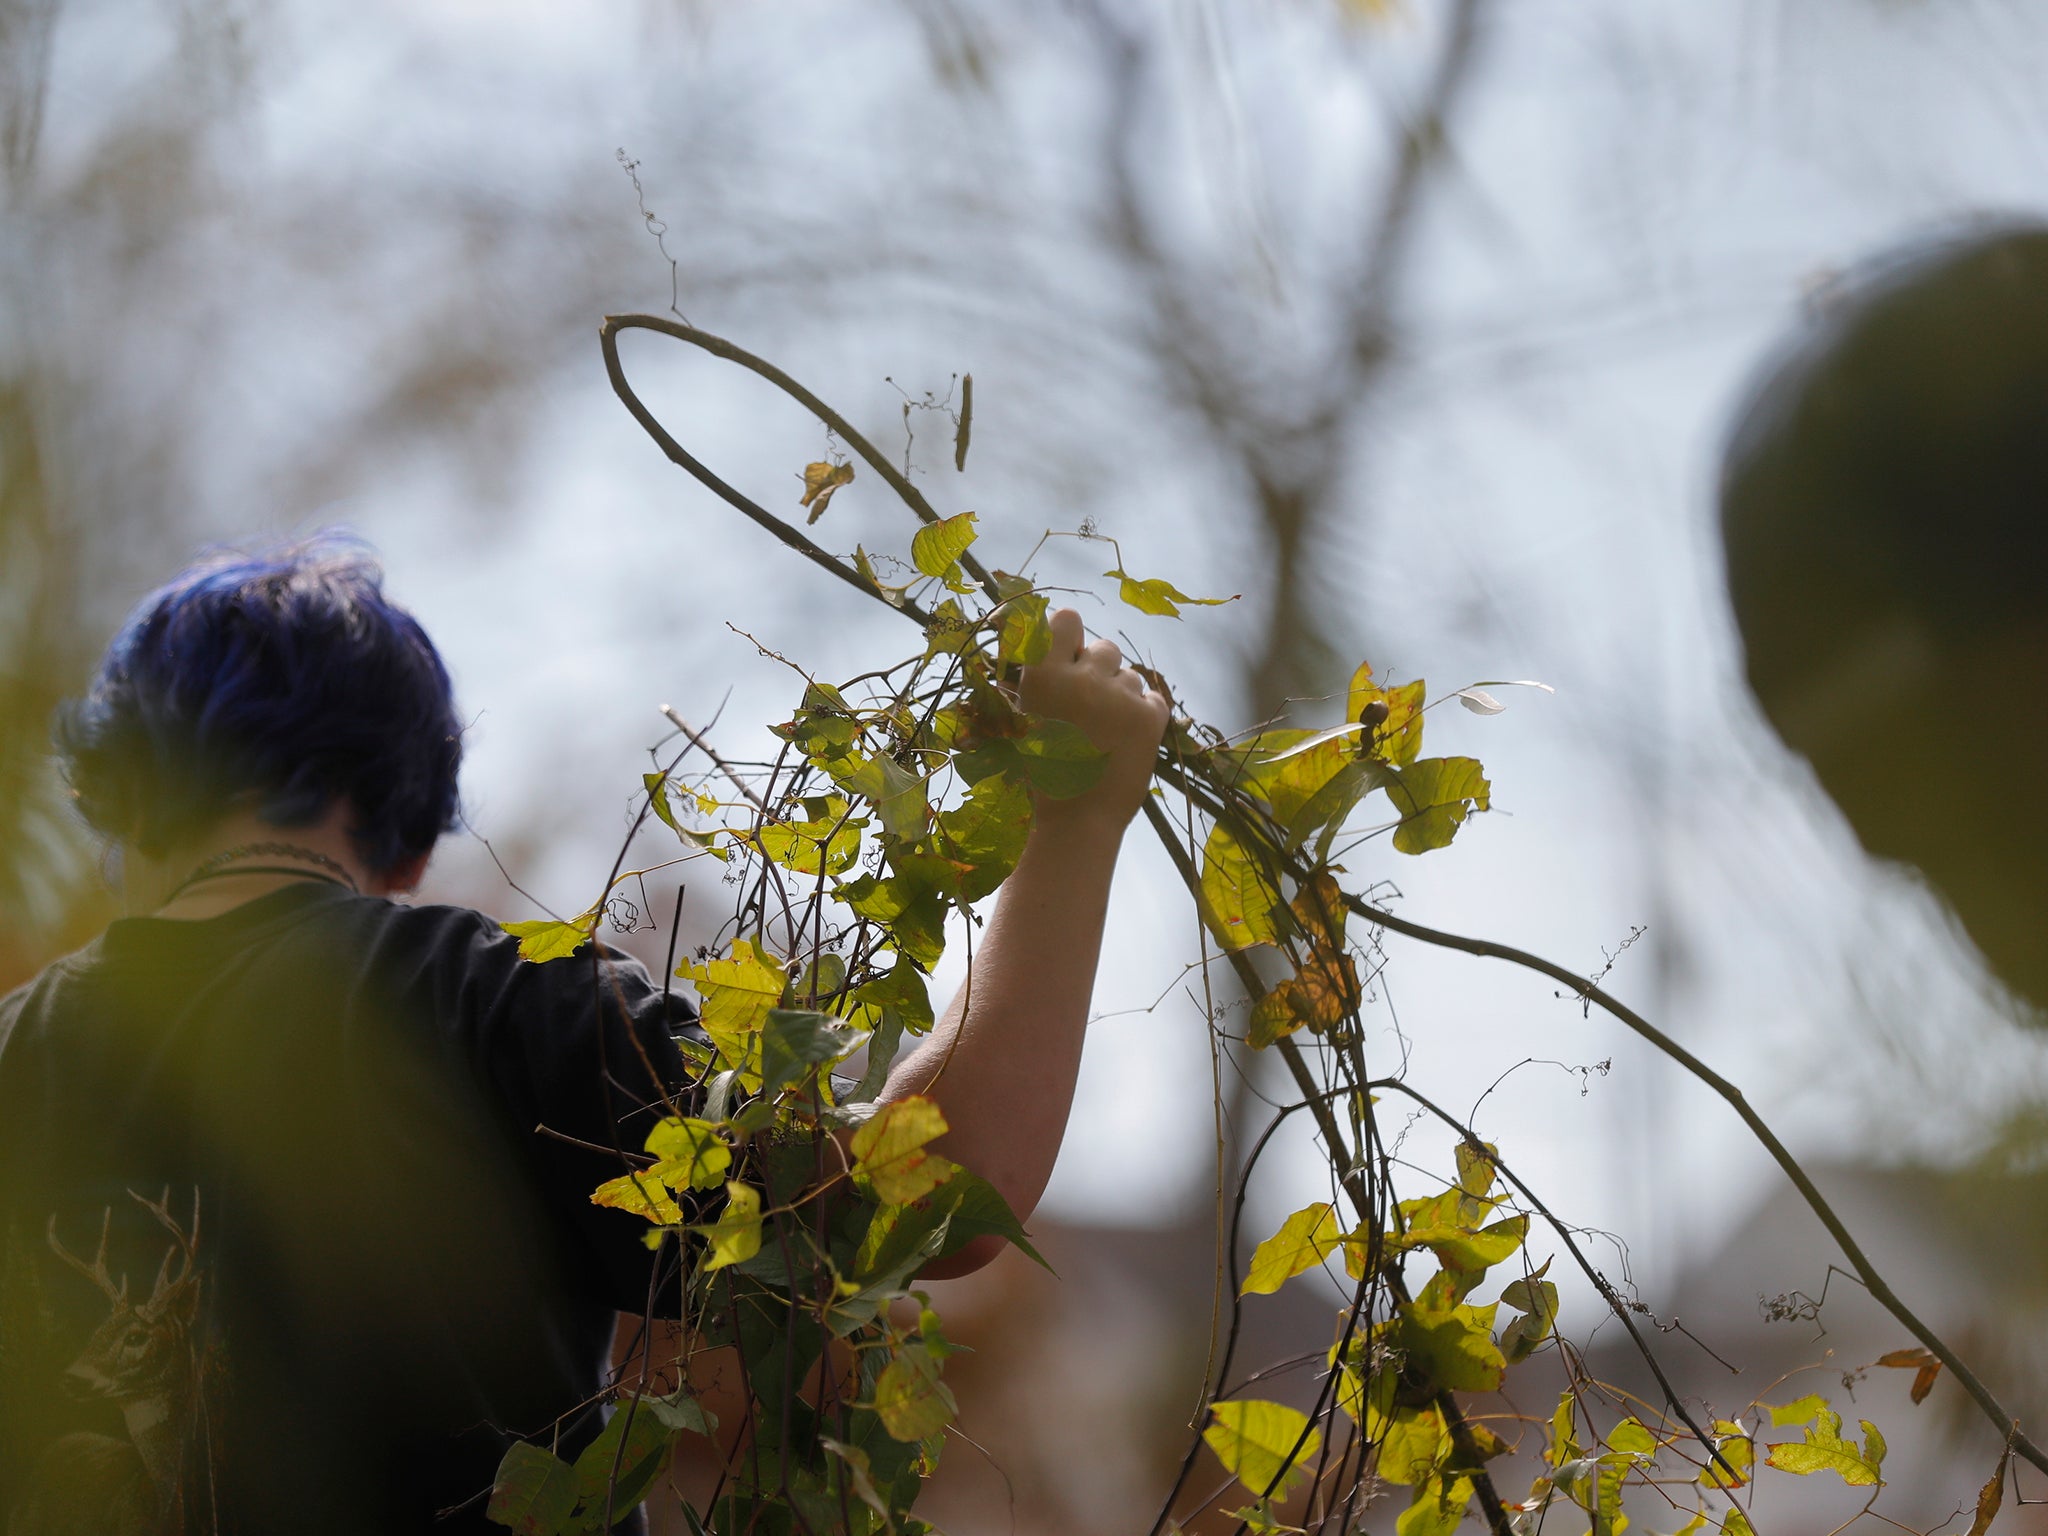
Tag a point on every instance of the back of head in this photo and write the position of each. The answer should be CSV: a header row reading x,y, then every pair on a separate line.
x,y
281,681
1884,507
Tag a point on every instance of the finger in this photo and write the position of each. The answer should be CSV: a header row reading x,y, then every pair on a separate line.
x,y
1067,635
1104,657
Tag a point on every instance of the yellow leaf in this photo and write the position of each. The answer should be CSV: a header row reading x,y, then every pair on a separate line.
x,y
547,939
1803,1410
1824,1449
1413,1441
1632,1439
910,1400
1437,1508
1564,1435
820,481
1024,633
827,840
1160,597
937,547
1304,1240
1238,897
1434,796
1263,1445
1393,717
642,1194
736,1236
692,1154
889,1151
1733,1460
737,993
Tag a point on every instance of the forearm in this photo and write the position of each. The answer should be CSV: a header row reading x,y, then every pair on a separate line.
x,y
1002,1061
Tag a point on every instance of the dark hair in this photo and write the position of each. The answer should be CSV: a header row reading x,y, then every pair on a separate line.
x,y
281,680
1890,461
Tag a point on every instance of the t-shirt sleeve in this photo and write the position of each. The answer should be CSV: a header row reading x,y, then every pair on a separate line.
x,y
584,1051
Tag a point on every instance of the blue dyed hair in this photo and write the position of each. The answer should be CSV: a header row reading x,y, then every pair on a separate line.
x,y
278,680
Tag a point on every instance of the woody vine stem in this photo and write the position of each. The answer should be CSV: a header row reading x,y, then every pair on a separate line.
x,y
1257,845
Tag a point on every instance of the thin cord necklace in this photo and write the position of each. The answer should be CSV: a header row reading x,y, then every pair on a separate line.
x,y
216,868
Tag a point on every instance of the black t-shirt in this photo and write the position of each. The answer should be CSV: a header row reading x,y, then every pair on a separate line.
x,y
341,1152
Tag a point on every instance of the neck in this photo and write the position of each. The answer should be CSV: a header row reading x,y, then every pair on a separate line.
x,y
321,849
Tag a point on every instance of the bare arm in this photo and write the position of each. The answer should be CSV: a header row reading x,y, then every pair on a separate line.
x,y
1003,1059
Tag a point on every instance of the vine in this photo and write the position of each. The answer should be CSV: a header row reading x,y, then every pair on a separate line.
x,y
792,1210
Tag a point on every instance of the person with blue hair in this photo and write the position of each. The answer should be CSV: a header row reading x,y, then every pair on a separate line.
x,y
295,1219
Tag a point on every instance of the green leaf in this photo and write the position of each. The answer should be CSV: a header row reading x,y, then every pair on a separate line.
x,y
549,939
976,1208
1437,1508
1259,1519
794,1041
903,990
937,547
1564,1435
910,904
1537,1299
859,1474
897,794
736,1235
1023,631
951,632
984,835
1434,796
736,994
826,841
824,729
1256,1442
1055,757
910,1400
883,1044
1632,1439
1453,1345
1238,898
1290,770
890,1153
1304,1240
1461,1248
682,1412
647,1443
1802,1410
534,1492
1159,597
1414,1441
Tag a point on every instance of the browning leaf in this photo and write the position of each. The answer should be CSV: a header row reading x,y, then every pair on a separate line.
x,y
1991,1495
1921,1362
820,481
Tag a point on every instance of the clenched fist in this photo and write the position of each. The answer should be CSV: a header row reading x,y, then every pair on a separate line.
x,y
1086,682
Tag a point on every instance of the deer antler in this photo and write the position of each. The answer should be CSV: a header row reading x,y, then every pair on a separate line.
x,y
96,1272
187,1244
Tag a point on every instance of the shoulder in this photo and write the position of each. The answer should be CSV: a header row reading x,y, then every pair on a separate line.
x,y
51,979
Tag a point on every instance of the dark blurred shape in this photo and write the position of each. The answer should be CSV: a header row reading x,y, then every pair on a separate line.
x,y
1884,505
311,1120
